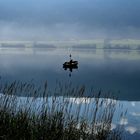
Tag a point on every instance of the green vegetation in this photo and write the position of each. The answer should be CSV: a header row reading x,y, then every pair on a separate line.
x,y
55,118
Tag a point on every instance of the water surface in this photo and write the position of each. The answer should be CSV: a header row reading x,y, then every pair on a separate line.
x,y
113,71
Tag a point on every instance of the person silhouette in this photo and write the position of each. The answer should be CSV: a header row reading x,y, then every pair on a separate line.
x,y
71,61
70,57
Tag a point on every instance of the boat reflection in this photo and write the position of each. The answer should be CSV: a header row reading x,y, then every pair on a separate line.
x,y
70,68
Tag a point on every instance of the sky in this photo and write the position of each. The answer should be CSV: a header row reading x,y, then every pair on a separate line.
x,y
69,19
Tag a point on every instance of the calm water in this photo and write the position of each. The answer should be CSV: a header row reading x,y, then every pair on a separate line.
x,y
115,71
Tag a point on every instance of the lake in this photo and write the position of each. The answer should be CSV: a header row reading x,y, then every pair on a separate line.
x,y
116,71
109,70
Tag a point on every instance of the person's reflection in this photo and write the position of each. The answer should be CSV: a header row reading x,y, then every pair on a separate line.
x,y
70,74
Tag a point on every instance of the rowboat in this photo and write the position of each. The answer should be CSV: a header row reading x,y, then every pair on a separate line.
x,y
70,64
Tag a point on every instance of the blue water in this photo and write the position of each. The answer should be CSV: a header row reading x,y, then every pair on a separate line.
x,y
113,71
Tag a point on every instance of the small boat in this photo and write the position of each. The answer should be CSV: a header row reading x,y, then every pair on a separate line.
x,y
70,64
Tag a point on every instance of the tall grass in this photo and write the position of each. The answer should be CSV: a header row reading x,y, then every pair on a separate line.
x,y
55,117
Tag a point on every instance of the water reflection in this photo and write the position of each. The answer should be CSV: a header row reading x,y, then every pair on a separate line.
x,y
117,51
70,69
117,73
130,122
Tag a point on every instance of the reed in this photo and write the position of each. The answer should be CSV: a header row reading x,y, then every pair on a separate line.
x,y
54,117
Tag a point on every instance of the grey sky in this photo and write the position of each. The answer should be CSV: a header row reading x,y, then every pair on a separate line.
x,y
69,18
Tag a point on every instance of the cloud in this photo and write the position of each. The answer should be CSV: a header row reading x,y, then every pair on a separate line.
x,y
113,126
136,114
131,129
133,104
123,121
80,100
75,18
